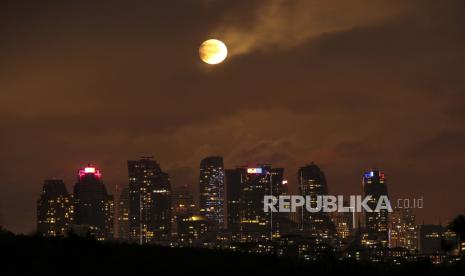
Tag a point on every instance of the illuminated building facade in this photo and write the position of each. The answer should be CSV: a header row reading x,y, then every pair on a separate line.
x,y
376,223
191,229
317,226
403,231
312,182
149,201
54,209
211,184
182,203
246,188
254,223
93,206
122,214
344,224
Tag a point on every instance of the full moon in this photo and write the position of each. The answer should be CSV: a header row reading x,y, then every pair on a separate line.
x,y
213,51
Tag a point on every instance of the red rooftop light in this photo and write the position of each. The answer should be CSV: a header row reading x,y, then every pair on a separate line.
x,y
89,170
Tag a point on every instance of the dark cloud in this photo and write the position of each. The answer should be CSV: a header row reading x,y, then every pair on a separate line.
x,y
348,85
447,145
351,149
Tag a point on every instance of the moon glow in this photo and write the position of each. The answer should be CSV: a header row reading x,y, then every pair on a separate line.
x,y
213,51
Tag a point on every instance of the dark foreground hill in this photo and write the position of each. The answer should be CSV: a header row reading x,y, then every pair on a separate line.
x,y
72,256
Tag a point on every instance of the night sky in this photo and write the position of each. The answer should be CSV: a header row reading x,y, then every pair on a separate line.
x,y
349,85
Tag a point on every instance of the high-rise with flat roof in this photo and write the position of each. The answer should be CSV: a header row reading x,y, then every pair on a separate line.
x,y
376,222
211,184
403,231
233,194
182,204
246,189
122,210
149,201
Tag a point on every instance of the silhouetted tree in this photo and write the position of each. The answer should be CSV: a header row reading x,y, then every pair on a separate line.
x,y
458,226
447,246
3,231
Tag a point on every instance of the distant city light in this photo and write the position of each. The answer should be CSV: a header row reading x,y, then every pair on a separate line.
x,y
255,170
89,170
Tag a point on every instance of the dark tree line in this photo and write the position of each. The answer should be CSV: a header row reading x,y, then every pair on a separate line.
x,y
72,255
458,226
77,255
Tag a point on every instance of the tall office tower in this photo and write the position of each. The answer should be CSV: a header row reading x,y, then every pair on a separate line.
x,y
312,183
93,206
256,182
233,194
182,204
396,228
376,222
403,231
122,213
411,231
54,209
149,201
212,191
245,191
281,222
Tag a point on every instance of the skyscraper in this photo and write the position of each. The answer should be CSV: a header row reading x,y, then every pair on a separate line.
x,y
122,210
318,225
233,194
182,204
54,209
376,223
211,184
403,231
246,188
149,201
312,183
93,206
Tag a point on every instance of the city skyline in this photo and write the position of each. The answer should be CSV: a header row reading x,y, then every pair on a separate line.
x,y
231,215
145,175
293,186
